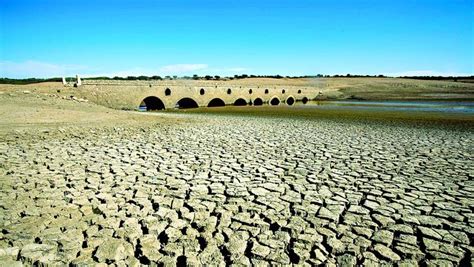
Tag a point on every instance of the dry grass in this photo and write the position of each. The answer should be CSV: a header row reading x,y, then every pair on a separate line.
x,y
405,89
387,117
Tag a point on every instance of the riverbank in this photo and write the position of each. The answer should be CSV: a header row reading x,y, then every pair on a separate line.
x,y
348,114
129,95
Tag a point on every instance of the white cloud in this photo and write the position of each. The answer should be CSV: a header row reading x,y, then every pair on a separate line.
x,y
176,69
236,69
182,68
37,69
224,71
427,73
123,73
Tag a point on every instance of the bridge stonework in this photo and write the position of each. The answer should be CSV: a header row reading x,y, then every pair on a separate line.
x,y
132,94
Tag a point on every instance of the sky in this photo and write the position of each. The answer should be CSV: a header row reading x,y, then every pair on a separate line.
x,y
53,38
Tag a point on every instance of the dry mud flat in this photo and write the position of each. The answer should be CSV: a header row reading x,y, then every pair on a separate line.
x,y
240,190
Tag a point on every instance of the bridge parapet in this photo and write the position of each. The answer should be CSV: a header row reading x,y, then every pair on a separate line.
x,y
132,94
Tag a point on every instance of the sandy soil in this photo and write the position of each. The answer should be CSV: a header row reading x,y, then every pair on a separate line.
x,y
31,111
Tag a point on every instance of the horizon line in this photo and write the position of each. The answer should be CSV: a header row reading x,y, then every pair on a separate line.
x,y
241,76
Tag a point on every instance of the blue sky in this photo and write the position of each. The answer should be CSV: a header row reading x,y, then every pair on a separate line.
x,y
50,38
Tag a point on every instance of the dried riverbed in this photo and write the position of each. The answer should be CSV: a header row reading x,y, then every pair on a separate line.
x,y
243,190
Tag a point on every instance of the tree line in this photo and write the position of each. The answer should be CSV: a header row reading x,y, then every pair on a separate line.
x,y
235,77
442,78
30,80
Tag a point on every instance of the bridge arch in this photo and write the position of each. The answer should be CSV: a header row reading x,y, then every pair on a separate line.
x,y
152,103
187,103
240,102
304,100
216,102
274,101
257,101
290,100
167,92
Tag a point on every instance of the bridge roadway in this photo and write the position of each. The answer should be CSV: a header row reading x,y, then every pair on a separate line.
x,y
157,95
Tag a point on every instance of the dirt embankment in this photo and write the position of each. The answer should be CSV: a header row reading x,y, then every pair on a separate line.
x,y
33,112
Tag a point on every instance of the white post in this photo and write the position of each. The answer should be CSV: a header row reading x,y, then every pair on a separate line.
x,y
78,80
64,81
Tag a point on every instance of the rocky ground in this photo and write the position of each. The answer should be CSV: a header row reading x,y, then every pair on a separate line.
x,y
240,190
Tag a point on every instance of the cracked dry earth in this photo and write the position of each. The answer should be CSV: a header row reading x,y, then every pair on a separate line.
x,y
241,191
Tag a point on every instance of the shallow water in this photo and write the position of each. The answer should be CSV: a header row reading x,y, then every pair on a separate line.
x,y
424,106
435,107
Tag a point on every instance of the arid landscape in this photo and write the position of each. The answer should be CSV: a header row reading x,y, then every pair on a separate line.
x,y
237,133
84,182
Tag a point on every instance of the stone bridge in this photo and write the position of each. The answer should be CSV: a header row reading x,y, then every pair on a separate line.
x,y
158,95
